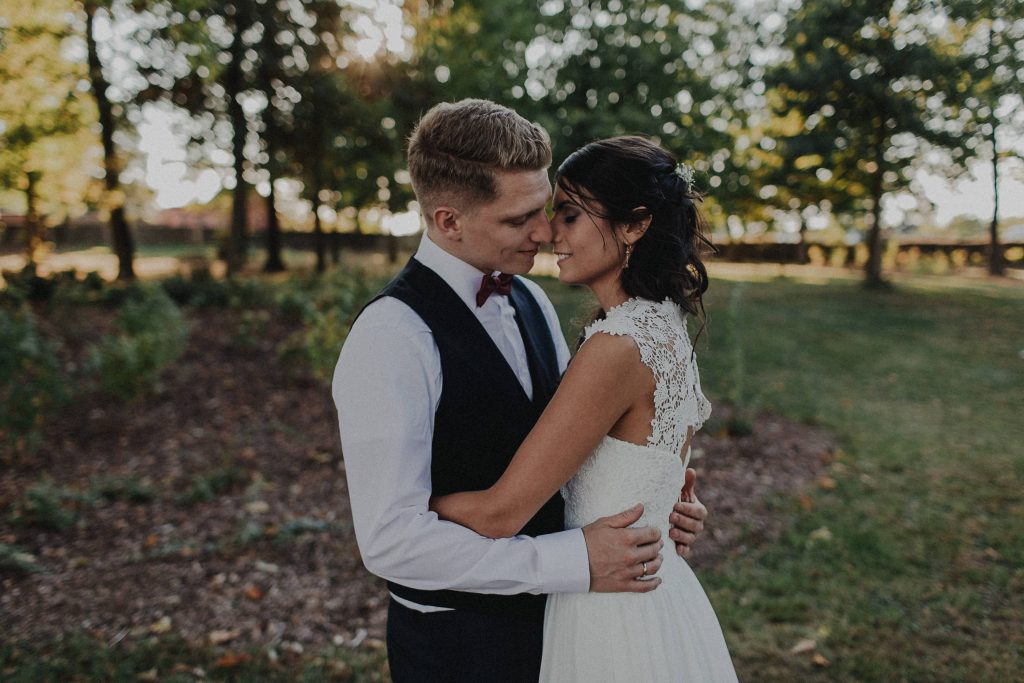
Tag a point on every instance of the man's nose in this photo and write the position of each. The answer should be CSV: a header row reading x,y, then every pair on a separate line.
x,y
541,229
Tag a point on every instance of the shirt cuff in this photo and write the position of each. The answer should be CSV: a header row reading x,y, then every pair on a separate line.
x,y
565,567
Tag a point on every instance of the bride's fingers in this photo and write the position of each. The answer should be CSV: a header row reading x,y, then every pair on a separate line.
x,y
645,586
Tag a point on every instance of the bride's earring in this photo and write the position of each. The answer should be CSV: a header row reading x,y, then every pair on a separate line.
x,y
629,252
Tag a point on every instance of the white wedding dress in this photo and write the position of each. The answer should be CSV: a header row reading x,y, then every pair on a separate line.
x,y
671,633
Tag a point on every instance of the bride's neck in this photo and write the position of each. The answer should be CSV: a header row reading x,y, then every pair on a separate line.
x,y
609,295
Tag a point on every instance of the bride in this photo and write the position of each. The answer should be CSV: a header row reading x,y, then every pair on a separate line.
x,y
617,432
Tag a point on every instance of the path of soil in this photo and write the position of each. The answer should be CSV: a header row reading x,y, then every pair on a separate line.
x,y
269,558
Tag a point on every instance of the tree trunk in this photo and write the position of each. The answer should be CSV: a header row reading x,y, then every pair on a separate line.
x,y
335,245
120,234
274,263
318,239
996,264
233,84
801,254
873,267
33,222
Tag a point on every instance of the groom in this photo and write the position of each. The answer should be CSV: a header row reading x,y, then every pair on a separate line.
x,y
441,377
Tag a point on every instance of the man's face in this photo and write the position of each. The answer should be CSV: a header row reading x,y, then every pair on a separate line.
x,y
506,233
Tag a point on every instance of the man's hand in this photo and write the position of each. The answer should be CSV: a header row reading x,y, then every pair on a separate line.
x,y
688,515
619,556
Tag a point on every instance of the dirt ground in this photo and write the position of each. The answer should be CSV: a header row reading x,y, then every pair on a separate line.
x,y
243,533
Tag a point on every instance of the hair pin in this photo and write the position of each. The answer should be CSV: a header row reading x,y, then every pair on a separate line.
x,y
686,174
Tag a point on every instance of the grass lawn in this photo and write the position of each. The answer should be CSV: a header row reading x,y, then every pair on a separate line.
x,y
907,563
906,560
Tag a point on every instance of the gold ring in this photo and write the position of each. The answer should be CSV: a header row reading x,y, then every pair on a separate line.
x,y
644,573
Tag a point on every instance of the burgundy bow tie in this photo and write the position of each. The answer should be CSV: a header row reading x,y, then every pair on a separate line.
x,y
490,284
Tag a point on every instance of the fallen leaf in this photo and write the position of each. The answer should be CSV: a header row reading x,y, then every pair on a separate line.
x,y
820,660
253,592
150,675
320,457
162,625
806,502
821,534
257,507
219,637
267,567
151,540
827,483
230,660
993,554
803,645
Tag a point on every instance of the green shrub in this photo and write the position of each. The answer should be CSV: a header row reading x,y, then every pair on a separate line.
x,y
13,558
128,489
152,335
327,305
44,506
202,290
208,486
30,379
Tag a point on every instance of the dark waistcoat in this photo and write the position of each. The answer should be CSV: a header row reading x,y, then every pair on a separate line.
x,y
483,414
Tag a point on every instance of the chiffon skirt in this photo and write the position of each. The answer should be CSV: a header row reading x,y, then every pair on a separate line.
x,y
669,634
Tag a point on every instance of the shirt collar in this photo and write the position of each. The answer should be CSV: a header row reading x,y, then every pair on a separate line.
x,y
463,278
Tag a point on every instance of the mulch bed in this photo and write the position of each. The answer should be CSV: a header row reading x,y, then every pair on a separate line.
x,y
247,538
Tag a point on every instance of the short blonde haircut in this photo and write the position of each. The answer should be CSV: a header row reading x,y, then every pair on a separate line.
x,y
456,148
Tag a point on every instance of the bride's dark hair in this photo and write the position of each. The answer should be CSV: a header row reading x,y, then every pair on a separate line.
x,y
626,179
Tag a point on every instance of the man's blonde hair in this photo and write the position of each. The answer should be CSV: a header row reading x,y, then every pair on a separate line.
x,y
456,148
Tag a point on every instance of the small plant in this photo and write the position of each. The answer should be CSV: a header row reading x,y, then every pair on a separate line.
x,y
14,559
327,305
153,334
212,484
44,507
30,379
129,489
252,326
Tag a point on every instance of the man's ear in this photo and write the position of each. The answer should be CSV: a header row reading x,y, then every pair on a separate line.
x,y
447,221
631,232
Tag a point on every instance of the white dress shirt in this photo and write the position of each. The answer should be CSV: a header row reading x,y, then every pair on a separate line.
x,y
387,386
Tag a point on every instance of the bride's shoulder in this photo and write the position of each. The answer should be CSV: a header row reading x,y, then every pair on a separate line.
x,y
636,315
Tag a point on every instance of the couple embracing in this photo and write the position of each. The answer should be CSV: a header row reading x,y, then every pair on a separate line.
x,y
517,504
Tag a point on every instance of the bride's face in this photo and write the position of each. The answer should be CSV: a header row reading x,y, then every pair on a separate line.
x,y
588,250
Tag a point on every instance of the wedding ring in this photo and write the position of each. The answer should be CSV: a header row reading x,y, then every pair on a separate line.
x,y
644,573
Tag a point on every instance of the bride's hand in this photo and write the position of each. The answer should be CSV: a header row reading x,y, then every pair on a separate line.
x,y
688,515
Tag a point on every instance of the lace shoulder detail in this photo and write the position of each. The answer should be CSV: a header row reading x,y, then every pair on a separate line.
x,y
659,331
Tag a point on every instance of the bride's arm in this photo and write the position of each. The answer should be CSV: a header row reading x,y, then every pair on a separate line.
x,y
604,379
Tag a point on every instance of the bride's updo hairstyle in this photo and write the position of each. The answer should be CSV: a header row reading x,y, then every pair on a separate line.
x,y
612,179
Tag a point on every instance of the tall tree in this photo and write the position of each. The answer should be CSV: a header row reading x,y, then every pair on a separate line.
x,y
990,91
868,82
46,145
121,236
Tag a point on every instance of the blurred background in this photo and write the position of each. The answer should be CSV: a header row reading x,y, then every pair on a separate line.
x,y
196,198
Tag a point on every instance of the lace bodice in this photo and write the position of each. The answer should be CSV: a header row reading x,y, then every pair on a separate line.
x,y
659,330
619,474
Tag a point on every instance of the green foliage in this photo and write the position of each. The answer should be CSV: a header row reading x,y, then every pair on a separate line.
x,y
45,506
152,334
130,489
328,305
202,290
207,486
14,559
31,382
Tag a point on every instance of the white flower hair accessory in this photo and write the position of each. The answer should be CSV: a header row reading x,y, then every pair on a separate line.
x,y
686,174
